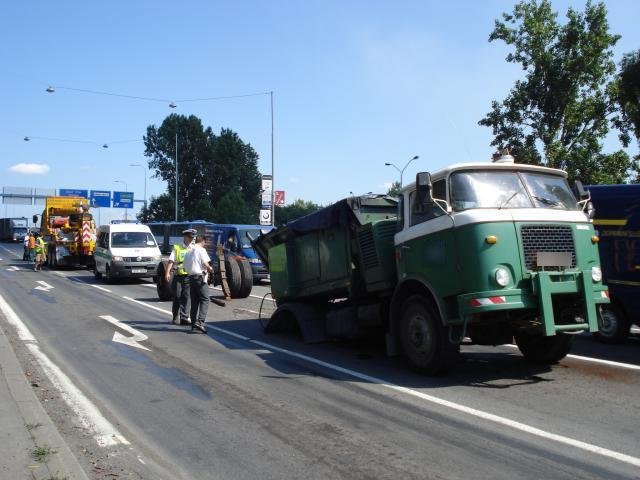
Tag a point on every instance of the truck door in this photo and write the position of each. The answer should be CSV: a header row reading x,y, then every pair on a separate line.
x,y
427,249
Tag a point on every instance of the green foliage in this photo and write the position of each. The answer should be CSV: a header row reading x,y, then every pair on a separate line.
x,y
209,168
394,189
297,209
626,92
160,209
558,114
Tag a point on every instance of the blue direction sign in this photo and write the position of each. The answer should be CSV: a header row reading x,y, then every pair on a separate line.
x,y
73,192
122,199
100,198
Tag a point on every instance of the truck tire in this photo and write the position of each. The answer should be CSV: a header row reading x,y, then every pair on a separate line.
x,y
165,292
613,325
246,274
52,257
234,276
424,340
544,350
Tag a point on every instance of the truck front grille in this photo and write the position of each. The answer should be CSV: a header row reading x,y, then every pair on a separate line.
x,y
546,238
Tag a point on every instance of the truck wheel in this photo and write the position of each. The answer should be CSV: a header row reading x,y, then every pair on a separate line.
x,y
165,292
424,340
613,326
246,274
234,277
544,350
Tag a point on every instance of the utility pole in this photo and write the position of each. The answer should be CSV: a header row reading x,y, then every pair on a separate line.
x,y
273,183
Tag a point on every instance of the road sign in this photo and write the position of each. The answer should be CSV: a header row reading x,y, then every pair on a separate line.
x,y
73,192
279,200
122,199
265,217
100,198
266,199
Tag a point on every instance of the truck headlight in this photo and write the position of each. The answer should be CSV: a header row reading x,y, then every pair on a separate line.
x,y
502,277
596,274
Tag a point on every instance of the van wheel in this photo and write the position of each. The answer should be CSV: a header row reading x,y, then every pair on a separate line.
x,y
544,350
246,275
165,293
613,326
107,274
234,276
96,273
424,339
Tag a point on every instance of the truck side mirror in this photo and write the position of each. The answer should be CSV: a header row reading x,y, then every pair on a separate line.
x,y
582,193
423,188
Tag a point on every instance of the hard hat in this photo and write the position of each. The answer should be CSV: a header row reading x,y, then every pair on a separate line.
x,y
190,231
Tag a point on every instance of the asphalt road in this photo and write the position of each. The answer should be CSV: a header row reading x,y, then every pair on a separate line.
x,y
237,403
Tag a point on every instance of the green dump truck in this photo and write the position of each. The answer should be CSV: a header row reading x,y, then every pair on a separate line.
x,y
491,251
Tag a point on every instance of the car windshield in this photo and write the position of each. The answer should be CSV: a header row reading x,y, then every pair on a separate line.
x,y
509,189
132,239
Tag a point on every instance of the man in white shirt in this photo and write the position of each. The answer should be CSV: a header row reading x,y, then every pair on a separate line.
x,y
198,264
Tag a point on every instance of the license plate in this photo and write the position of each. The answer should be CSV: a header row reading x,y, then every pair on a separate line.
x,y
138,270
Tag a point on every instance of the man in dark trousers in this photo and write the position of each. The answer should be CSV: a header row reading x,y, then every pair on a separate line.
x,y
198,264
180,283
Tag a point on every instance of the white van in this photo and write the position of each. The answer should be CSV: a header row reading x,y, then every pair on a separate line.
x,y
125,250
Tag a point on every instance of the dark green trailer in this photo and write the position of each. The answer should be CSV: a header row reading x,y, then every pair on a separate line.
x,y
330,269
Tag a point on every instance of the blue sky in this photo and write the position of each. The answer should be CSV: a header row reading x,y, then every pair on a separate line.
x,y
356,84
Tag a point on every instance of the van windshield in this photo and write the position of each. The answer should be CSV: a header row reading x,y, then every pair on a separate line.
x,y
509,189
133,239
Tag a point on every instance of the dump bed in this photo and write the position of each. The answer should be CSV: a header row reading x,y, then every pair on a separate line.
x,y
344,250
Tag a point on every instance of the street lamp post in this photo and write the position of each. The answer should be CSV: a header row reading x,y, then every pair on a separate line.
x,y
415,157
176,177
126,189
145,184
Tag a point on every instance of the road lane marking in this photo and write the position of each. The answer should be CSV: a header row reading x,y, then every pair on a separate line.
x,y
635,461
119,338
104,432
99,287
611,363
44,286
152,285
13,268
252,296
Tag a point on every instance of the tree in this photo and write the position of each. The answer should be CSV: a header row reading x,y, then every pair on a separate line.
x,y
394,189
558,114
160,209
209,167
627,95
297,209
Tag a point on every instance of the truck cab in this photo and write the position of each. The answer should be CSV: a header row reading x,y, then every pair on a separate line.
x,y
493,251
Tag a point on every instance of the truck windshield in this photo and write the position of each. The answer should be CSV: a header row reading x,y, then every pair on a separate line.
x,y
20,231
250,234
132,239
509,189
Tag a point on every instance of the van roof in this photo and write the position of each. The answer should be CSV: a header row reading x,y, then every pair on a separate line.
x,y
124,227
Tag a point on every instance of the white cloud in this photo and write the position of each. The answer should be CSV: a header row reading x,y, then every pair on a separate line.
x,y
29,168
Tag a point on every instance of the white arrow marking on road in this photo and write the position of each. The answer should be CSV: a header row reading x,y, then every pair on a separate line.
x,y
119,338
13,268
44,286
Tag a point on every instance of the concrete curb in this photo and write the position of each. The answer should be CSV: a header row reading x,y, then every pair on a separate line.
x,y
62,463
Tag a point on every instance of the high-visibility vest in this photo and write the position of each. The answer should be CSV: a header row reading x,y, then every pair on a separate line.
x,y
40,245
32,242
179,252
